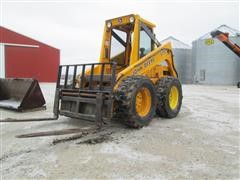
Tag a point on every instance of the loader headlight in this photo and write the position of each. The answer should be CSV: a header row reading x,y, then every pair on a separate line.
x,y
131,19
109,24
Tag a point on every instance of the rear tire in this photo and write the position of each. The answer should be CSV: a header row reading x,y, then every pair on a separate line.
x,y
169,95
136,101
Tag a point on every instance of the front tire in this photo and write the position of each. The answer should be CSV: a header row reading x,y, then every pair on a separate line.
x,y
136,101
169,95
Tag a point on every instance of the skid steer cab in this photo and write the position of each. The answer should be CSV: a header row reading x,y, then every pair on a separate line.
x,y
134,79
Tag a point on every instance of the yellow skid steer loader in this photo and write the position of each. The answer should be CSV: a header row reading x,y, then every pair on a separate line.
x,y
134,79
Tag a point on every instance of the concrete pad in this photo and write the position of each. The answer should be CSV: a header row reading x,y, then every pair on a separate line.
x,y
201,143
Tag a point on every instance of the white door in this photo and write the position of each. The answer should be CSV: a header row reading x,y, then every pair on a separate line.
x,y
2,61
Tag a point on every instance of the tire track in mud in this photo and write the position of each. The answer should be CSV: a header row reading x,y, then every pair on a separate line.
x,y
12,155
99,139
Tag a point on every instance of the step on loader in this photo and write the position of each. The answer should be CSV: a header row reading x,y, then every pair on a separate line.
x,y
134,79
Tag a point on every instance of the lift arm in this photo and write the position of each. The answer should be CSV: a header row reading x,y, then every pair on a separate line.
x,y
149,62
223,37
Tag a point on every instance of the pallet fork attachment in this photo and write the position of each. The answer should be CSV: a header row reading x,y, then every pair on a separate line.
x,y
73,101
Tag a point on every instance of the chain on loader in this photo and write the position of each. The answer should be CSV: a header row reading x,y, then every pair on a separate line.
x,y
134,79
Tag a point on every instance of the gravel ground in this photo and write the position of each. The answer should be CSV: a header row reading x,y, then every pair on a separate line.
x,y
201,143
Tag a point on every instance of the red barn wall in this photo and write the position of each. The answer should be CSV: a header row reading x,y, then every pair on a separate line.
x,y
29,62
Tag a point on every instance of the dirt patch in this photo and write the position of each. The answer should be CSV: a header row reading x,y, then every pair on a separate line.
x,y
94,136
99,139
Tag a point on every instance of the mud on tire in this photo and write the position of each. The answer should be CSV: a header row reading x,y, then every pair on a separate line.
x,y
163,87
126,101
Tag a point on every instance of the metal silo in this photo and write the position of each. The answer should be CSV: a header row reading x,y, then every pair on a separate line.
x,y
182,59
213,62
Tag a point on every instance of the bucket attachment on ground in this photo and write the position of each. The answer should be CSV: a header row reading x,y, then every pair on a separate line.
x,y
20,94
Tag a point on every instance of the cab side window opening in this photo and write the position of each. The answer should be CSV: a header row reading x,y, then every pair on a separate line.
x,y
146,45
118,46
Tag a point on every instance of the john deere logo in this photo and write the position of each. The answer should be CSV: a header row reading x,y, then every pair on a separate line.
x,y
120,20
209,41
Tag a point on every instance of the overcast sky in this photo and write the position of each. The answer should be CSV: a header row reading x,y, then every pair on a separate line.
x,y
76,28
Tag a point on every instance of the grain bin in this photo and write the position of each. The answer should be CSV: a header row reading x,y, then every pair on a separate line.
x,y
182,59
213,62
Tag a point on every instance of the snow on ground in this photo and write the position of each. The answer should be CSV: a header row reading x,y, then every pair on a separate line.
x,y
201,143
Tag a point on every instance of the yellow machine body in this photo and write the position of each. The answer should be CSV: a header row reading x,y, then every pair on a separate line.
x,y
155,64
134,78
